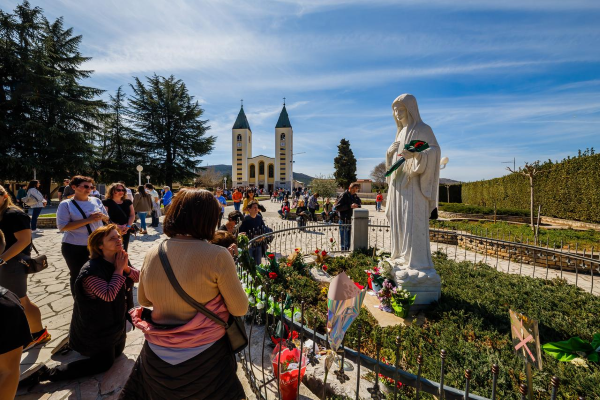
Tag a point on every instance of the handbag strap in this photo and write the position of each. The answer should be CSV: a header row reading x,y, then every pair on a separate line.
x,y
83,215
164,260
34,249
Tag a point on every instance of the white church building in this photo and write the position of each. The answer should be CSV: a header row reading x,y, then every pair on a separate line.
x,y
261,171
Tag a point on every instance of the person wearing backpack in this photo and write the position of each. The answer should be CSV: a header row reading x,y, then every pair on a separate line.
x,y
36,201
78,217
344,205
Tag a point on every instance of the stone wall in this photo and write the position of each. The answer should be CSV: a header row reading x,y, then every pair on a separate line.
x,y
515,253
46,223
509,218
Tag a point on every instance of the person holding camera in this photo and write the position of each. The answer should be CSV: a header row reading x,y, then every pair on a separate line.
x,y
120,211
78,217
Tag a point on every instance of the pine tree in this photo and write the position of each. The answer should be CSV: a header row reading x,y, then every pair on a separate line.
x,y
345,165
118,146
168,121
51,118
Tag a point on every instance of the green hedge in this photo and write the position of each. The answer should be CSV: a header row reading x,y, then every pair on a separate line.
x,y
568,189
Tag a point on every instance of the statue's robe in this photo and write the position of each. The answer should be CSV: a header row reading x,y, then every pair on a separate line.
x,y
413,191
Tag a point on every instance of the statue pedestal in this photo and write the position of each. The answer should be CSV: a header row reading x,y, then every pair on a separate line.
x,y
425,283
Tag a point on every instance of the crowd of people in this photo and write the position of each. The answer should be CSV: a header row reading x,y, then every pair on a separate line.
x,y
181,343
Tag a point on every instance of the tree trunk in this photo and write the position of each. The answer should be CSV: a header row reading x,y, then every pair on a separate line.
x,y
531,201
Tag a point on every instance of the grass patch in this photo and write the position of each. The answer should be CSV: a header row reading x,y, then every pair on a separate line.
x,y
470,209
471,323
47,215
521,233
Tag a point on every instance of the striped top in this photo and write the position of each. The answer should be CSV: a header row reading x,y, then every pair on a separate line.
x,y
96,287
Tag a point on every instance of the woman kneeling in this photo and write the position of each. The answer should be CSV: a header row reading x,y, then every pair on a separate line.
x,y
98,323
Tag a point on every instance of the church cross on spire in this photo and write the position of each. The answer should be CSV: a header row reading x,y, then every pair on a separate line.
x,y
284,101
242,100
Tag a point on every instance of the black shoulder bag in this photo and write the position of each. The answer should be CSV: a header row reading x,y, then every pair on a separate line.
x,y
235,328
34,264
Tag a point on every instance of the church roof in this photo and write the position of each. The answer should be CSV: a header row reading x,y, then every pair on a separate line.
x,y
284,120
241,121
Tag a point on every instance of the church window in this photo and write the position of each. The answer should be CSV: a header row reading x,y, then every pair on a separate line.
x,y
261,168
239,144
249,137
239,138
252,171
271,171
283,137
282,143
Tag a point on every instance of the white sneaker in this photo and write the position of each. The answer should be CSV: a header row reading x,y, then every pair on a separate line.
x,y
38,231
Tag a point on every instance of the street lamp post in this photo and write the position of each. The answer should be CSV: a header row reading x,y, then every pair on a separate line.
x,y
224,183
139,169
148,178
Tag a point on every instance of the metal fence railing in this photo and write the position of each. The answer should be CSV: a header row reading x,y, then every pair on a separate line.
x,y
261,325
580,268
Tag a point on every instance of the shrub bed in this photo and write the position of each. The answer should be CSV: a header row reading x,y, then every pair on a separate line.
x,y
471,323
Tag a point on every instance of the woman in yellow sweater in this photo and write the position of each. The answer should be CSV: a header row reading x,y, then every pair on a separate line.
x,y
249,197
197,356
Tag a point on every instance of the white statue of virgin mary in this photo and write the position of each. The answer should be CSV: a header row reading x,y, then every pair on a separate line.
x,y
412,197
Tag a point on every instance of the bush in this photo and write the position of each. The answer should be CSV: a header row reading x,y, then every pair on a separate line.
x,y
471,323
568,189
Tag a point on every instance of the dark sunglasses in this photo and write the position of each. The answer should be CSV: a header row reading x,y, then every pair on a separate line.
x,y
86,186
120,190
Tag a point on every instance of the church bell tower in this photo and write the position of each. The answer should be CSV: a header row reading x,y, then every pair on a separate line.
x,y
284,162
241,136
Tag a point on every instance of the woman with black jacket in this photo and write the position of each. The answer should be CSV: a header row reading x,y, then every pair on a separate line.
x,y
120,210
98,323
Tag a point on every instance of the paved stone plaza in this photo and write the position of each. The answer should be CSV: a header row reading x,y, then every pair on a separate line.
x,y
50,291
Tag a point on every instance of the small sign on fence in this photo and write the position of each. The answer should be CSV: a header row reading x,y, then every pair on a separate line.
x,y
526,338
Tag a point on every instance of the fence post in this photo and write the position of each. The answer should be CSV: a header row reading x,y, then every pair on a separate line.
x,y
359,235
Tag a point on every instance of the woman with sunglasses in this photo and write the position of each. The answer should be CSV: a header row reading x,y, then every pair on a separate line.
x,y
77,218
120,210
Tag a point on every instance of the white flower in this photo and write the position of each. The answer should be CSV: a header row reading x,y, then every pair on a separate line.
x,y
251,300
579,362
260,306
297,316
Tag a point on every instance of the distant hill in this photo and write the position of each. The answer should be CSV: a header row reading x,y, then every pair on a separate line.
x,y
226,169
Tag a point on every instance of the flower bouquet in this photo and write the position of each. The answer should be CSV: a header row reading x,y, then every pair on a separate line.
x,y
321,256
401,300
286,364
415,146
384,295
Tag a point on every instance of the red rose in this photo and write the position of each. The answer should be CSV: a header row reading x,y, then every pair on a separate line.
x,y
330,240
317,251
272,275
418,144
324,267
289,264
323,253
271,256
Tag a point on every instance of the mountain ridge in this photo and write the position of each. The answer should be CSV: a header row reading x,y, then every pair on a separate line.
x,y
225,169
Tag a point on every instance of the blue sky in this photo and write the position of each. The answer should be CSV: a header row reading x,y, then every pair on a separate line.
x,y
494,79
